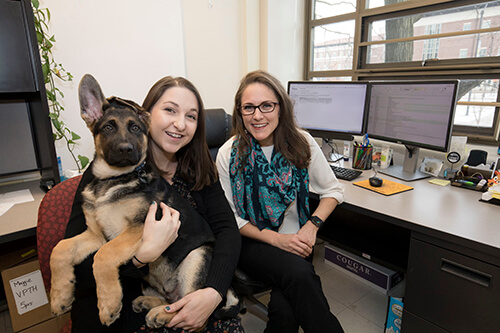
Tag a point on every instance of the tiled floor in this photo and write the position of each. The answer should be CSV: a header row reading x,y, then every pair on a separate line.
x,y
359,308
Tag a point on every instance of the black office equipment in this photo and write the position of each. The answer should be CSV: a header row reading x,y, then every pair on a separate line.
x,y
417,114
345,173
375,181
26,135
477,157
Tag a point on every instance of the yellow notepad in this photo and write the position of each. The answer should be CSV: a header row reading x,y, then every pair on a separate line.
x,y
388,187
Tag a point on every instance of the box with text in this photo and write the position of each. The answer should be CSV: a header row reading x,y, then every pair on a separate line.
x,y
377,276
26,295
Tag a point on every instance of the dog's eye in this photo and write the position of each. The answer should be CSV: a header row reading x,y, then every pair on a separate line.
x,y
107,128
135,128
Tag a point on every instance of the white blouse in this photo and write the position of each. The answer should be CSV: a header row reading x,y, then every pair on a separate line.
x,y
322,181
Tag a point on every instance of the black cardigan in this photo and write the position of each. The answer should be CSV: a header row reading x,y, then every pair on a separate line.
x,y
211,205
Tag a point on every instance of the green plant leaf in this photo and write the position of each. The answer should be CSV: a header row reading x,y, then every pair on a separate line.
x,y
84,160
45,70
35,3
75,136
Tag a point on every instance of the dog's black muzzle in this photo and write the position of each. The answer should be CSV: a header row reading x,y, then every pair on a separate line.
x,y
123,154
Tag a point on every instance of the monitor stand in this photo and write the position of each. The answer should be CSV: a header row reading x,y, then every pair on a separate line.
x,y
408,171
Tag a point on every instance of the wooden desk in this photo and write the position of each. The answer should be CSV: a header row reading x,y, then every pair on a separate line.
x,y
453,244
20,221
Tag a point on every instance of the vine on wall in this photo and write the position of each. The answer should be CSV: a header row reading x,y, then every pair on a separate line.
x,y
52,70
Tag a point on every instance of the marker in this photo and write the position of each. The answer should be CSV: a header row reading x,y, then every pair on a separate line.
x,y
466,182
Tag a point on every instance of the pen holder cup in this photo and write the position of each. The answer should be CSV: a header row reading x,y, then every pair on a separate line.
x,y
362,158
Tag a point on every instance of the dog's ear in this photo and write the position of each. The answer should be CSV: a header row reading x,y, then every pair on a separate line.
x,y
91,100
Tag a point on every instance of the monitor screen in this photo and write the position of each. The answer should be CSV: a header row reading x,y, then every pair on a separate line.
x,y
418,114
413,113
17,151
333,110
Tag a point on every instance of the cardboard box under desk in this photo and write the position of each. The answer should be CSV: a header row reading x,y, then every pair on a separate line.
x,y
53,325
26,295
376,276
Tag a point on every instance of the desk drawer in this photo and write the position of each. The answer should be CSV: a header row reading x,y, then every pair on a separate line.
x,y
452,291
414,324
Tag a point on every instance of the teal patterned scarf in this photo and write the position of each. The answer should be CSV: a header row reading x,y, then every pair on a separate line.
x,y
262,191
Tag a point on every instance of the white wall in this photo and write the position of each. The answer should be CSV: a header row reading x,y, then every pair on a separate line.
x,y
129,44
125,44
285,51
212,35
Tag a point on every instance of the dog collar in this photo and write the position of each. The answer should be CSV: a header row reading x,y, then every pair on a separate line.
x,y
141,173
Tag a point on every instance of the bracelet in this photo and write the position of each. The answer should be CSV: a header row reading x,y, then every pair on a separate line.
x,y
140,262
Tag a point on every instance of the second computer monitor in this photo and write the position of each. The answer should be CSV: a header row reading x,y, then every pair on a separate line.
x,y
418,114
334,110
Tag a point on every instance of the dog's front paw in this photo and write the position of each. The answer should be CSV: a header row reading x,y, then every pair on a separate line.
x,y
61,296
142,303
158,317
109,309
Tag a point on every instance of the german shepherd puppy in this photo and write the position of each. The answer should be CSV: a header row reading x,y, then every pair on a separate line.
x,y
115,205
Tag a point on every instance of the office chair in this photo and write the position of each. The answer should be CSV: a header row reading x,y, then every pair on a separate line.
x,y
217,131
53,216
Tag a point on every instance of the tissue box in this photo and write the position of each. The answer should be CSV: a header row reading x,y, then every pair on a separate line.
x,y
394,314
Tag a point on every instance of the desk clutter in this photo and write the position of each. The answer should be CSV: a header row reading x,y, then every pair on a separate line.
x,y
492,195
362,155
476,178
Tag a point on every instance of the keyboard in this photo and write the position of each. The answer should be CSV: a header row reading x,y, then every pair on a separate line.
x,y
344,173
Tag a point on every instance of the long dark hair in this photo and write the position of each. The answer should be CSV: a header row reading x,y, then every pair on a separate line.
x,y
287,138
196,166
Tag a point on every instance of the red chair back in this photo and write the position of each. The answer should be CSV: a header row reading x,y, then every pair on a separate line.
x,y
53,216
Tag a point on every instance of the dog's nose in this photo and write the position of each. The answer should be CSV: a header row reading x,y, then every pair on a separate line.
x,y
125,148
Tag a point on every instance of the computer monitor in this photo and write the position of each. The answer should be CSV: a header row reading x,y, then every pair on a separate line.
x,y
417,114
330,109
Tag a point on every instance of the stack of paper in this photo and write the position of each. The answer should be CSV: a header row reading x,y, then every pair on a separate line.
x,y
492,193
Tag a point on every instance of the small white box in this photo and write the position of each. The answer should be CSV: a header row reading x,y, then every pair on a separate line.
x,y
377,276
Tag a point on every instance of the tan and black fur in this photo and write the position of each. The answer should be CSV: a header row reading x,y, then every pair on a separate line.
x,y
115,206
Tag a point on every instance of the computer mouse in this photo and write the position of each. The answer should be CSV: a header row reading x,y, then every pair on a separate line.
x,y
375,181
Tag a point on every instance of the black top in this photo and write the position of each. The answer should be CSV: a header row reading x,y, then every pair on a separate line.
x,y
211,205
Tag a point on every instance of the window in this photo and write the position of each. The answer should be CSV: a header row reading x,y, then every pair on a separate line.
x,y
412,39
431,46
333,46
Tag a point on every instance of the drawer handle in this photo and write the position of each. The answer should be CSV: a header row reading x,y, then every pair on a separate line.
x,y
465,272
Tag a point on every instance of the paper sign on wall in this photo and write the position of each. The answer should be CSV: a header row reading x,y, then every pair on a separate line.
x,y
29,292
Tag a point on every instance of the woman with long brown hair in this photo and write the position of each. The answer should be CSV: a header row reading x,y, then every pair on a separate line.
x,y
267,170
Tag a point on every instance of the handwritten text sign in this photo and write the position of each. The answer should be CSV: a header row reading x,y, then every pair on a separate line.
x,y
29,291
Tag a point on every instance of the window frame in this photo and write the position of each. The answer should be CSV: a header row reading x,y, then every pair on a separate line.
x,y
458,68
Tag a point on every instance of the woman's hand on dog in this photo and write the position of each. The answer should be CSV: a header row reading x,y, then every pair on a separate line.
x,y
157,235
194,309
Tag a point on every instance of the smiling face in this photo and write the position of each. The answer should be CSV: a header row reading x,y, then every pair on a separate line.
x,y
174,119
260,125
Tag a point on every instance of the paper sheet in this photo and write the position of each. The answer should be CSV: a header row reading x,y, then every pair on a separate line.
x,y
9,199
29,292
440,182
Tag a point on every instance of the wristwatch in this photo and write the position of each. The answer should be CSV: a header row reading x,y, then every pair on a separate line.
x,y
317,221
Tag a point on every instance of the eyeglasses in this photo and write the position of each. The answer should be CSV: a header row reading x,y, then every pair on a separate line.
x,y
265,107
